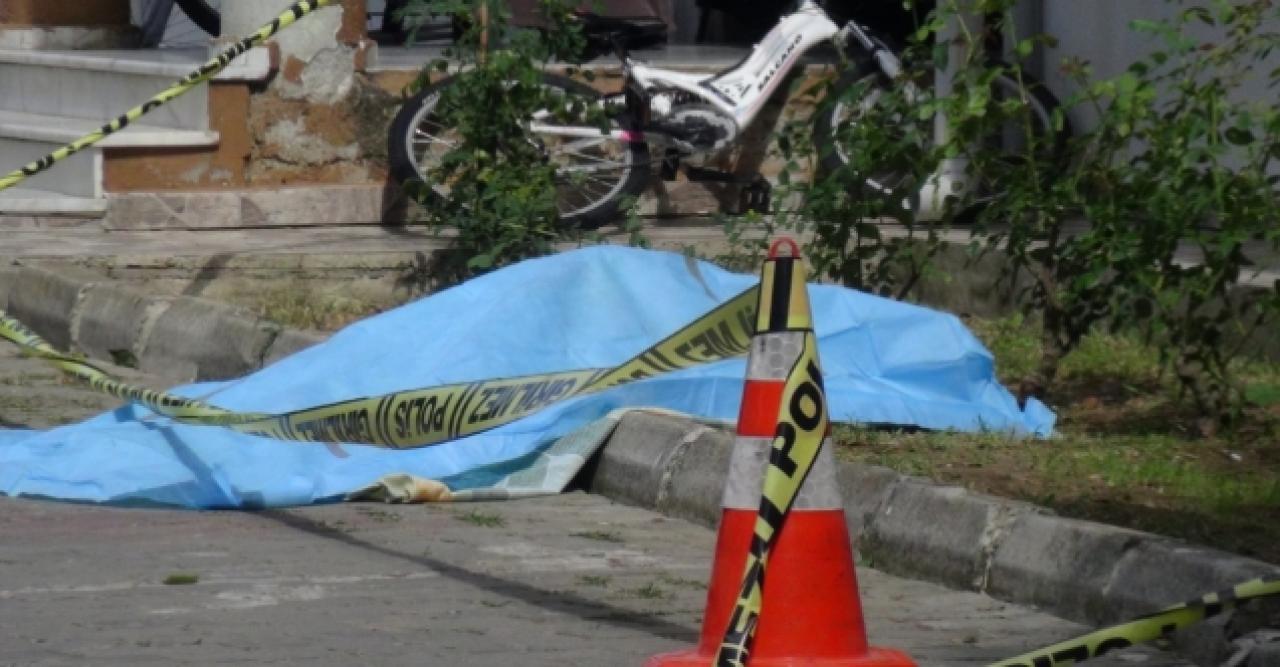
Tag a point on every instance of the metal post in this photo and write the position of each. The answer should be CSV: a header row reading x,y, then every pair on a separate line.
x,y
950,179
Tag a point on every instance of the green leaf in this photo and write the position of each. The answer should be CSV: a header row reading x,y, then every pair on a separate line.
x,y
1146,25
1239,136
1201,14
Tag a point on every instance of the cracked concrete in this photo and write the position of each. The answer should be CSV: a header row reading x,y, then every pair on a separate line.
x,y
996,530
665,479
291,144
328,78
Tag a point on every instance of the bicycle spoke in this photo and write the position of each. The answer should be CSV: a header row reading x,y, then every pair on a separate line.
x,y
591,166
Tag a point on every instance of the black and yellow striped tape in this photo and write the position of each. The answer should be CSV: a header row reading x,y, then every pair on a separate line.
x,y
1144,629
422,417
203,73
802,427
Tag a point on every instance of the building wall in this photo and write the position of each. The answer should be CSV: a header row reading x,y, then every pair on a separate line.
x,y
64,12
1098,31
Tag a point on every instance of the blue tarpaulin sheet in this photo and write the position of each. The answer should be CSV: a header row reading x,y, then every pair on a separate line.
x,y
884,362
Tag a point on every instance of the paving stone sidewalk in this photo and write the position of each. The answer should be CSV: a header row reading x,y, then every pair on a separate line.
x,y
573,579
34,394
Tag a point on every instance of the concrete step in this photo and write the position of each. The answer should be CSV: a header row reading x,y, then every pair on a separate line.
x,y
50,98
26,137
28,202
98,85
77,176
69,37
62,130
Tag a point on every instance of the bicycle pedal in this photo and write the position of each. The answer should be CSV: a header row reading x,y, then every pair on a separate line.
x,y
756,196
670,165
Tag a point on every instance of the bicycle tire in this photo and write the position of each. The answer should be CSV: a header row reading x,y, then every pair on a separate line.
x,y
1042,103
203,15
406,170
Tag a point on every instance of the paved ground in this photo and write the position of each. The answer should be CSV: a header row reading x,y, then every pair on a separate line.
x,y
704,234
573,579
33,394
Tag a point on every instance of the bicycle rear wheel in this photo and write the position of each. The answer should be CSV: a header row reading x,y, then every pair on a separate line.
x,y
594,175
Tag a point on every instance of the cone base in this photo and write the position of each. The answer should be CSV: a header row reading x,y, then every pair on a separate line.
x,y
875,657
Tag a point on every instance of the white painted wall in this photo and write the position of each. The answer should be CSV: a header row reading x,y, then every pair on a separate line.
x,y
1098,31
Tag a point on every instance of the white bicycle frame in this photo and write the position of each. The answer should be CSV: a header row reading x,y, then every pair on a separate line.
x,y
742,91
739,92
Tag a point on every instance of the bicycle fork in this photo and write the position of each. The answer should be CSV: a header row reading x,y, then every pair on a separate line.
x,y
949,181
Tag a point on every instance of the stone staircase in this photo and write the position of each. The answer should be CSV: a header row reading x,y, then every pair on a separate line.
x,y
50,98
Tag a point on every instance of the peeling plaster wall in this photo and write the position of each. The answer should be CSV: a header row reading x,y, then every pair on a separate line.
x,y
318,120
303,123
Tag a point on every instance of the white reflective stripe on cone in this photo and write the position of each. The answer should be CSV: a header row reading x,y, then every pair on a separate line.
x,y
747,467
773,354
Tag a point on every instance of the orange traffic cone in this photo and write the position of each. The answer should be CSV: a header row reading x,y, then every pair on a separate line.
x,y
797,603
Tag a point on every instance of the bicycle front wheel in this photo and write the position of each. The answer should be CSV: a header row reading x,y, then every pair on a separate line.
x,y
1023,133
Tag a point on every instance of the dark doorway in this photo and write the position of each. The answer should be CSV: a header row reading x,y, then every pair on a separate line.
x,y
744,22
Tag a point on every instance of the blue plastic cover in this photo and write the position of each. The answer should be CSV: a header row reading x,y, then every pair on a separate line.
x,y
884,362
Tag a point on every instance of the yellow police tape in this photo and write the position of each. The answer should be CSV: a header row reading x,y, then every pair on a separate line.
x,y
802,427
422,417
203,73
1143,629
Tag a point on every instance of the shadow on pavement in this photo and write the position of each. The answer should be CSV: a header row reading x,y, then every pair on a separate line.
x,y
556,601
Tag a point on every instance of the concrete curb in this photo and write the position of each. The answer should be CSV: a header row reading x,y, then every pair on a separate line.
x,y
1083,571
180,339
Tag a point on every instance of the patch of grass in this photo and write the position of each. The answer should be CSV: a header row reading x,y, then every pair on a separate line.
x,y
1108,356
123,358
599,536
595,580
298,304
181,579
1226,495
1129,450
1263,394
379,515
1114,361
1105,367
482,519
649,591
1011,342
681,582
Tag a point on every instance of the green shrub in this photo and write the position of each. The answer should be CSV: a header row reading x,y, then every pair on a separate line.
x,y
1091,228
502,192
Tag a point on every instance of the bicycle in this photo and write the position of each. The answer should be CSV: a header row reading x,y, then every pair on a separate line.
x,y
684,114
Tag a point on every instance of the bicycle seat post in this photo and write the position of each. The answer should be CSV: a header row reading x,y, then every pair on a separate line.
x,y
619,42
